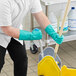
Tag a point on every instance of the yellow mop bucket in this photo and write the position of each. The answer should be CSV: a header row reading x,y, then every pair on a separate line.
x,y
68,71
53,70
48,67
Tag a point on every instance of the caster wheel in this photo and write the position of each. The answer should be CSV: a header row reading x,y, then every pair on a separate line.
x,y
34,49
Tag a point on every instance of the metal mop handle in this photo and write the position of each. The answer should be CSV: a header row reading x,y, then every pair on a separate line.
x,y
63,22
41,47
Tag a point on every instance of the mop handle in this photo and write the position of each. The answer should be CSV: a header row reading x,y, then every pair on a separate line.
x,y
41,47
63,22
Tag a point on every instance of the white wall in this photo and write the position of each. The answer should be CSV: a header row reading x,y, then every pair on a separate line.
x,y
56,8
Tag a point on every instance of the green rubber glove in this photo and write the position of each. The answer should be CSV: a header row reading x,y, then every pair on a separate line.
x,y
49,29
36,34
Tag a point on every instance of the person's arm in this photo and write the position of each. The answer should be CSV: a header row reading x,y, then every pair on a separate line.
x,y
46,25
42,19
11,31
36,34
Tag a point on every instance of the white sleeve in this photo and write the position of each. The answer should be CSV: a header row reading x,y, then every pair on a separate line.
x,y
5,13
36,6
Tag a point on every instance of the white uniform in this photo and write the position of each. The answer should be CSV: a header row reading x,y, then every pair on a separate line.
x,y
12,13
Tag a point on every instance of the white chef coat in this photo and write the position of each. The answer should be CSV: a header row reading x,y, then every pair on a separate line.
x,y
12,13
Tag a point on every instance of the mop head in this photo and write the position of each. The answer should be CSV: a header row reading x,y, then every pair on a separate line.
x,y
50,52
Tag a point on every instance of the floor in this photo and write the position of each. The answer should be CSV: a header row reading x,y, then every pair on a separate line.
x,y
67,53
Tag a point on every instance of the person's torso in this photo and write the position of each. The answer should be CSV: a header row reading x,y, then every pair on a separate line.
x,y
19,9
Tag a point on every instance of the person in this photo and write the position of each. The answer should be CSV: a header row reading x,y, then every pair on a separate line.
x,y
12,37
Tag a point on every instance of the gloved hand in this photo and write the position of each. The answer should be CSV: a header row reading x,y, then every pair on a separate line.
x,y
49,29
36,34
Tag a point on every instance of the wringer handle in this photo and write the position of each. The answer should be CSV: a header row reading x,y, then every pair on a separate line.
x,y
63,22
